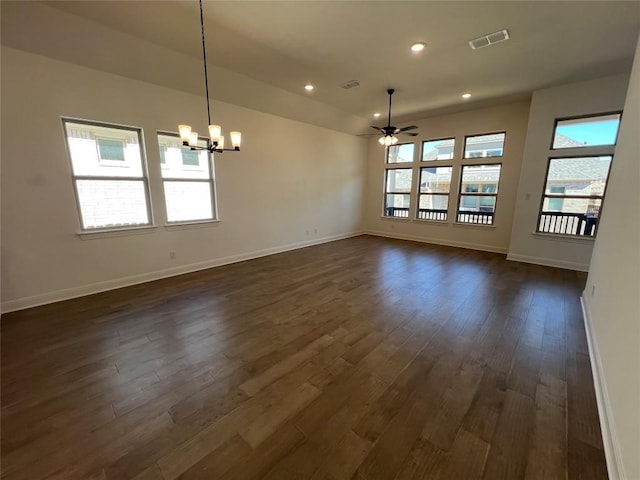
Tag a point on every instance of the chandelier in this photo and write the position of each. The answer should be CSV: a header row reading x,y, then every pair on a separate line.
x,y
190,138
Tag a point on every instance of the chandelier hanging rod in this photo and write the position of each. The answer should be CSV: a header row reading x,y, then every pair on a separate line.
x,y
189,138
204,58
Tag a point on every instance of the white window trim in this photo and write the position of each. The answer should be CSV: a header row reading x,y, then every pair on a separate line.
x,y
196,223
190,225
119,230
116,232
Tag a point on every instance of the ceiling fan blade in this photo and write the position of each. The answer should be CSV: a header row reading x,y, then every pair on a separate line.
x,y
377,128
410,134
366,134
410,127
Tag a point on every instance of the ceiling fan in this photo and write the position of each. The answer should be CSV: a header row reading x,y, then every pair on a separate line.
x,y
389,132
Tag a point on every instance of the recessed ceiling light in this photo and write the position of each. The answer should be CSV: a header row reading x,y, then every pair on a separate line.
x,y
376,114
308,87
466,95
418,47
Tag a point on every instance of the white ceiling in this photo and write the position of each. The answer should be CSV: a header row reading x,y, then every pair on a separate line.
x,y
289,43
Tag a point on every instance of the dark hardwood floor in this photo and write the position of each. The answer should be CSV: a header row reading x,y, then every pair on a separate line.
x,y
364,359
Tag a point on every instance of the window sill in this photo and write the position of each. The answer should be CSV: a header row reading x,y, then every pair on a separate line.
x,y
189,225
563,238
395,219
117,232
442,223
474,225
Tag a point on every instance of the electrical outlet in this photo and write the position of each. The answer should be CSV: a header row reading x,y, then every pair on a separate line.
x,y
172,255
392,226
315,230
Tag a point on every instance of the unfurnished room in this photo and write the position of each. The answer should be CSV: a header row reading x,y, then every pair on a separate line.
x,y
323,240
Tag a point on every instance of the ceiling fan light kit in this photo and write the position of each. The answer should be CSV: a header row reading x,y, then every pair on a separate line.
x,y
389,132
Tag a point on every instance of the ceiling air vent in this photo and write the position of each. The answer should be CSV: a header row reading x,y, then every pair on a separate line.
x,y
350,84
490,39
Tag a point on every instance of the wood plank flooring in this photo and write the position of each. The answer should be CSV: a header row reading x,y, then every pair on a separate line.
x,y
365,359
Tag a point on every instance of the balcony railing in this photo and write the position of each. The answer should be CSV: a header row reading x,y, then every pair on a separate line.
x,y
402,212
432,214
423,213
581,224
481,218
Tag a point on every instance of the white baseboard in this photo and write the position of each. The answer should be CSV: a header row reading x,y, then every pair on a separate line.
x,y
607,425
549,262
437,241
81,291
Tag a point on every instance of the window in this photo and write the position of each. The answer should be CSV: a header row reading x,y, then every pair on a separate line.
x,y
573,195
397,192
555,204
478,193
593,131
163,152
397,183
109,174
190,158
188,180
433,201
482,146
110,149
575,185
402,153
438,149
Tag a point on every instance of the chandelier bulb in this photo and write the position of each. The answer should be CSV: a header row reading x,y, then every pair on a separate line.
x,y
214,132
236,138
185,132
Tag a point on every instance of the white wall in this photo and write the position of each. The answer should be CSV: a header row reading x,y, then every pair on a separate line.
x,y
511,118
289,179
612,295
584,98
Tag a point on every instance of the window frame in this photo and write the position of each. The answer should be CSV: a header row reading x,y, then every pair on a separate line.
x,y
424,165
453,150
581,148
210,179
143,167
386,193
399,144
582,197
478,194
466,137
